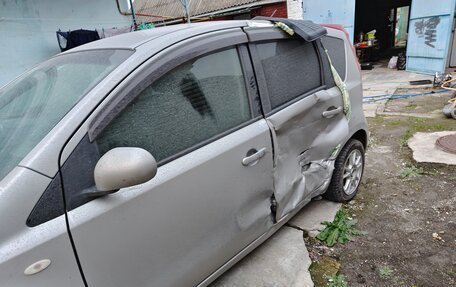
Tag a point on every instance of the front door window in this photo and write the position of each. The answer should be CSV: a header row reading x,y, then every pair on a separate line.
x,y
191,104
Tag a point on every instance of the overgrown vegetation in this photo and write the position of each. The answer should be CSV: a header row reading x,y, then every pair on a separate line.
x,y
340,230
385,272
337,281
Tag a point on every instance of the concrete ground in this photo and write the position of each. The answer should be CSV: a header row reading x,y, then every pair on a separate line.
x,y
425,150
283,260
383,81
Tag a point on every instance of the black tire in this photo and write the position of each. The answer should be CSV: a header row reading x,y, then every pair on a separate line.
x,y
336,190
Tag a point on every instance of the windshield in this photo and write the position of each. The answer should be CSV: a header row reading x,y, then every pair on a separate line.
x,y
34,103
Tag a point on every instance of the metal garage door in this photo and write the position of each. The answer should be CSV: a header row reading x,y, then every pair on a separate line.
x,y
429,35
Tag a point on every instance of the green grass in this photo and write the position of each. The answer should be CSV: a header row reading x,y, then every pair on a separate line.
x,y
411,106
425,125
340,230
337,281
394,123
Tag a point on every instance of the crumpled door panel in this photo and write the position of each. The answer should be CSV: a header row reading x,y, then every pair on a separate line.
x,y
304,148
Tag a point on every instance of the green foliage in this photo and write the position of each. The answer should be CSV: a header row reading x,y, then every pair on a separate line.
x,y
337,281
340,230
385,272
411,171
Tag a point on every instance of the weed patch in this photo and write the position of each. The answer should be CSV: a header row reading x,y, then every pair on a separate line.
x,y
340,230
337,281
386,272
411,171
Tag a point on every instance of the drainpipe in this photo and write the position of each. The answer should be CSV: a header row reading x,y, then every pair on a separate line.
x,y
133,13
187,9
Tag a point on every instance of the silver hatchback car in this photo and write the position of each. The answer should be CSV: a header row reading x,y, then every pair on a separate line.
x,y
162,157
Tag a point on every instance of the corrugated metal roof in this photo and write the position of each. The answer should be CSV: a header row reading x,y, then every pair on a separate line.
x,y
162,10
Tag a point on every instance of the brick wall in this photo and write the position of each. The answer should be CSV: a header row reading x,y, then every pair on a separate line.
x,y
275,10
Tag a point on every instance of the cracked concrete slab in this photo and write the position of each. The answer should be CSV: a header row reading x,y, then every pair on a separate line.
x,y
425,150
281,261
313,214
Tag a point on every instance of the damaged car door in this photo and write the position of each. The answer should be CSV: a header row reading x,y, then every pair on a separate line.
x,y
304,110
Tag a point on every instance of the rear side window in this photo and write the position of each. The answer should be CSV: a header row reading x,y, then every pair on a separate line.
x,y
192,103
336,50
291,69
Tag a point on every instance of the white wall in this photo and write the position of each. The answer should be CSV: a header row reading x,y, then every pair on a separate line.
x,y
294,9
27,28
332,12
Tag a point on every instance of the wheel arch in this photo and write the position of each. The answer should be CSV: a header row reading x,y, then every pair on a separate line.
x,y
362,136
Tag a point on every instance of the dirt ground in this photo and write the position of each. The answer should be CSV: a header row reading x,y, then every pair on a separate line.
x,y
408,209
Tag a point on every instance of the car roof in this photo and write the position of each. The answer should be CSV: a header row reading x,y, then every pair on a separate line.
x,y
137,38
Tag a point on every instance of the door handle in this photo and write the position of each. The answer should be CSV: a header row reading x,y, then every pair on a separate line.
x,y
331,112
253,156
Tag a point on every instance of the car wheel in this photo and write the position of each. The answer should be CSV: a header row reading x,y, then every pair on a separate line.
x,y
348,171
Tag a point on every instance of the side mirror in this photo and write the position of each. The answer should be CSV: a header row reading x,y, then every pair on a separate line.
x,y
124,167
